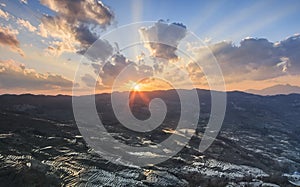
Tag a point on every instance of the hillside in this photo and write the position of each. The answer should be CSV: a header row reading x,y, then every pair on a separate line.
x,y
258,143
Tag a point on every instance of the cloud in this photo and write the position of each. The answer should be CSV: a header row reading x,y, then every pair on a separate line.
x,y
162,39
14,75
24,1
57,47
100,51
26,24
289,48
195,73
109,71
62,32
4,14
75,23
118,63
42,31
8,38
85,11
89,80
175,75
257,58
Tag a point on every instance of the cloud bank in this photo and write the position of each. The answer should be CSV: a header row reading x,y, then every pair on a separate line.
x,y
8,37
256,58
14,75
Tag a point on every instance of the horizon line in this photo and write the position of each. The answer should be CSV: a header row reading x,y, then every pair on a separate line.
x,y
146,91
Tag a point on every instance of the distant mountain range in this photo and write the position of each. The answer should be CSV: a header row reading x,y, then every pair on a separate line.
x,y
276,90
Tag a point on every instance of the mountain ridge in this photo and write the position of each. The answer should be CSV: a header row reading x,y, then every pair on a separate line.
x,y
279,89
249,91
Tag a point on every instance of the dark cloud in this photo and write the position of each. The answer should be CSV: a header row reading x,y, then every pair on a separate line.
x,y
89,80
290,48
100,51
257,59
158,68
162,39
84,11
8,38
113,68
85,36
96,67
14,75
74,23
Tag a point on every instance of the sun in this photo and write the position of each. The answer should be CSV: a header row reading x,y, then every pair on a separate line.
x,y
137,87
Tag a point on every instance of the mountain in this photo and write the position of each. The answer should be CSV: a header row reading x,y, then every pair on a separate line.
x,y
40,144
276,90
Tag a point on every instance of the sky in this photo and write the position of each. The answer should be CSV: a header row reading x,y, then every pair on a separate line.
x,y
54,47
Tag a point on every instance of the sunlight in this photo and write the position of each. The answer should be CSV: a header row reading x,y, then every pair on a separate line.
x,y
231,19
269,19
149,84
134,86
137,87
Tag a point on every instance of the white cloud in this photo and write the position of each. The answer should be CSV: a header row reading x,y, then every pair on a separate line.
x,y
58,47
24,1
284,63
26,24
4,14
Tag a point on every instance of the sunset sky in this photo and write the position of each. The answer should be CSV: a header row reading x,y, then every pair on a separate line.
x,y
43,43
